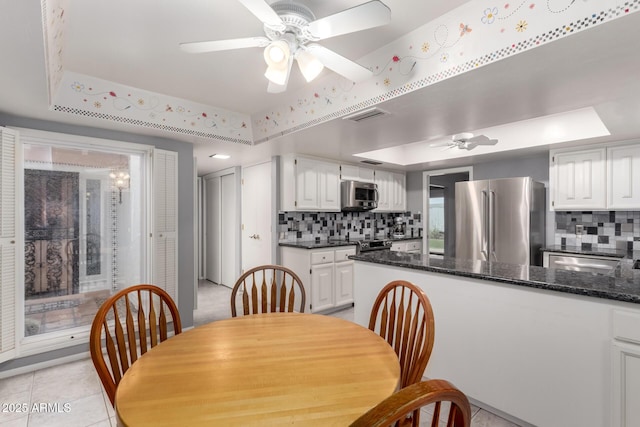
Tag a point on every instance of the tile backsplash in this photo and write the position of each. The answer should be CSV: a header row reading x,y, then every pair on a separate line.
x,y
608,229
319,226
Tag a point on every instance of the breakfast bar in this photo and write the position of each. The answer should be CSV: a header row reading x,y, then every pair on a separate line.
x,y
540,346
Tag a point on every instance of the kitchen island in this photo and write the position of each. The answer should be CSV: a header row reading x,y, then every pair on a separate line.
x,y
544,347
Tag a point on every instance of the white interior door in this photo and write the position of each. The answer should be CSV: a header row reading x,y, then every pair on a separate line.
x,y
257,211
228,226
212,226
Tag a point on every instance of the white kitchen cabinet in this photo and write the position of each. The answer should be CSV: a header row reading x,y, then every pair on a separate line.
x,y
623,177
327,275
309,184
410,246
344,277
578,179
625,359
392,193
356,173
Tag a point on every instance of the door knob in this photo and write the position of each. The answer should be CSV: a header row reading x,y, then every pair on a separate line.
x,y
254,236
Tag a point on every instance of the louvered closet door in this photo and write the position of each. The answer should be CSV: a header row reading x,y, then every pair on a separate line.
x,y
165,220
8,256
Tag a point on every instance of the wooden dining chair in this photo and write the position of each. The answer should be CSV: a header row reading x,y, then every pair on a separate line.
x,y
441,401
402,315
128,324
268,289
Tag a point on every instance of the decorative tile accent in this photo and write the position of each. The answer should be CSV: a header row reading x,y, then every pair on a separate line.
x,y
320,226
601,230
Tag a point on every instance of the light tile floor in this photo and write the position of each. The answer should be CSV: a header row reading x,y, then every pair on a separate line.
x,y
75,396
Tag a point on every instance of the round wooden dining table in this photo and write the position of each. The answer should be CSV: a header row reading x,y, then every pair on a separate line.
x,y
272,369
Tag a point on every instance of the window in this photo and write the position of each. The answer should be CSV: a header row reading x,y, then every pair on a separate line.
x,y
84,228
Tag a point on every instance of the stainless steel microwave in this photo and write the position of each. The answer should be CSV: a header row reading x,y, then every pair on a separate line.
x,y
358,196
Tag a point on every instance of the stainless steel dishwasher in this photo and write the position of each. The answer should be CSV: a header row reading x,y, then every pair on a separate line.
x,y
575,262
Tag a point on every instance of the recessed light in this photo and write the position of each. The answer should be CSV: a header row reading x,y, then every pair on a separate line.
x,y
219,156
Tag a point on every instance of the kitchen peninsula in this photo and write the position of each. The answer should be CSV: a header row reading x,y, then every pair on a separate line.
x,y
545,347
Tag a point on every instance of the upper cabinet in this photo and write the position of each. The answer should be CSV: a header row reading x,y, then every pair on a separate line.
x,y
623,177
309,184
579,179
356,173
603,178
392,192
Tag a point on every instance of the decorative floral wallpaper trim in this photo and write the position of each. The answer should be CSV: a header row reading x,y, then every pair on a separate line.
x,y
53,24
438,51
92,97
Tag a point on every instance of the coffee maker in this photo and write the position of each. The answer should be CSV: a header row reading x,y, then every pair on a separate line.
x,y
398,227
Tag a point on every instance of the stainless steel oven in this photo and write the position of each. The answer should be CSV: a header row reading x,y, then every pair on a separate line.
x,y
358,196
365,246
575,262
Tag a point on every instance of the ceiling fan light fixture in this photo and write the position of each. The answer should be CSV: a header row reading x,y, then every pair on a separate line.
x,y
276,75
277,54
309,65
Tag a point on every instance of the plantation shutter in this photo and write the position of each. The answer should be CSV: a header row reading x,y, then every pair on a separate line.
x,y
8,256
165,220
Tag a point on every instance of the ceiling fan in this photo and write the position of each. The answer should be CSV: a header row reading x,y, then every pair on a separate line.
x,y
289,28
466,141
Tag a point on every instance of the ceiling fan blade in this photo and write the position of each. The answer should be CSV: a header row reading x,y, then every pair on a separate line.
x,y
368,15
264,12
440,144
216,45
276,88
482,140
340,64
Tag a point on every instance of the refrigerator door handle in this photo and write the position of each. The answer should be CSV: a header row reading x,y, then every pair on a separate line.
x,y
492,226
485,226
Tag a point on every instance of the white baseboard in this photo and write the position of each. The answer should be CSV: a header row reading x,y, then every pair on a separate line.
x,y
42,365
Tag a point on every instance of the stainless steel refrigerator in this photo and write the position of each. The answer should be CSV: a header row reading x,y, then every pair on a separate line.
x,y
500,220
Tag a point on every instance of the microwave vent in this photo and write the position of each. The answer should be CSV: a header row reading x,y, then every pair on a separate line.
x,y
371,162
366,114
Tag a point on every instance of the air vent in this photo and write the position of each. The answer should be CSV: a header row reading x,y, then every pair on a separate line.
x,y
365,114
371,162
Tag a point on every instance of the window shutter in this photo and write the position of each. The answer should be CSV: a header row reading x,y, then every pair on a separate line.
x,y
8,258
165,220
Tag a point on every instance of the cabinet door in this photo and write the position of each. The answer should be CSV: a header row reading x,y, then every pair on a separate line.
x,y
399,246
382,179
397,187
623,184
329,186
344,282
307,184
579,180
322,285
626,385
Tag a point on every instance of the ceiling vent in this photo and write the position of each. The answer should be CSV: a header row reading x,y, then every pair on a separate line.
x,y
371,162
365,114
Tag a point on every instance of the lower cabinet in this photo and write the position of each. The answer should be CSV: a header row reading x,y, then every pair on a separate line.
x,y
411,246
625,359
327,275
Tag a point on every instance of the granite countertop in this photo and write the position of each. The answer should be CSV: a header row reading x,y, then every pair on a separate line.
x,y
622,284
311,244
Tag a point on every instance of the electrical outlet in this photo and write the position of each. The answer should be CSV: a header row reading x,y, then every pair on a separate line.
x,y
579,229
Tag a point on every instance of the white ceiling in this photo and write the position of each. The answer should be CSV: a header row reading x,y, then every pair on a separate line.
x,y
135,43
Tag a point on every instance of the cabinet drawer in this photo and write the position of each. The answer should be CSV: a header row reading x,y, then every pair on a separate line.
x,y
322,257
343,254
626,326
414,246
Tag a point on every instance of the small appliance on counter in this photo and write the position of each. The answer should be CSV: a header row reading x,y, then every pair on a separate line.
x,y
398,228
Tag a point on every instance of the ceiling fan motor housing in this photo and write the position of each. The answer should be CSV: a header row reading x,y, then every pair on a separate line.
x,y
296,17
